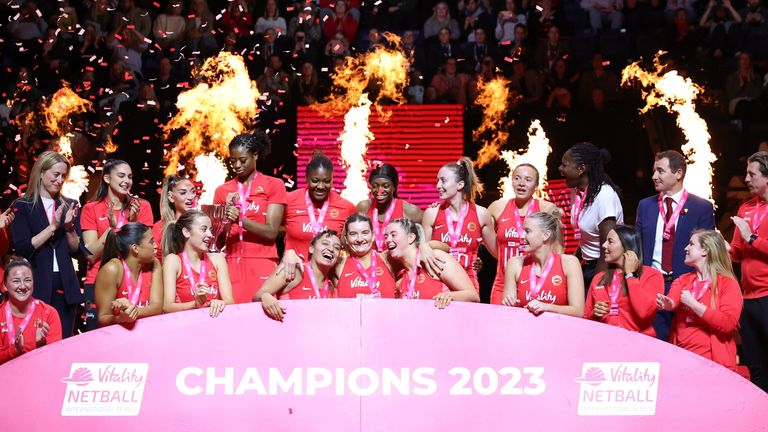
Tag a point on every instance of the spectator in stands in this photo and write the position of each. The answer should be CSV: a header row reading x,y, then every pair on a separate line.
x,y
673,6
743,89
66,20
127,45
374,39
442,48
601,11
166,88
551,49
100,13
520,48
303,51
474,16
338,46
600,77
306,87
441,18
718,19
526,82
415,91
273,83
486,73
341,22
561,75
128,14
237,19
475,52
543,14
121,87
271,19
413,50
201,28
169,27
684,42
506,21
328,8
754,17
393,15
451,86
308,22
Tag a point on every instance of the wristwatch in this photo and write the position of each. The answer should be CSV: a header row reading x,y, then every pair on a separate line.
x,y
752,238
630,275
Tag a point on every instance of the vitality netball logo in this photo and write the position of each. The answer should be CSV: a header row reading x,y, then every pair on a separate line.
x,y
104,389
618,388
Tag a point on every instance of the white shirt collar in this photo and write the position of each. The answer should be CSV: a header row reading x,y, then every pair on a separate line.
x,y
676,197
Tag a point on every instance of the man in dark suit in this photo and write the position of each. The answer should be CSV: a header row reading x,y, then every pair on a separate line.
x,y
666,221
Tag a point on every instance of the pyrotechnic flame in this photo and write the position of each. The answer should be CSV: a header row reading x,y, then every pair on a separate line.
x,y
220,107
536,154
677,94
493,98
76,183
382,73
109,146
57,113
354,144
211,172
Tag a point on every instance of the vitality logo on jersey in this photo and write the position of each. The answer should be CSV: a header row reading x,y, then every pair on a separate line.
x,y
104,389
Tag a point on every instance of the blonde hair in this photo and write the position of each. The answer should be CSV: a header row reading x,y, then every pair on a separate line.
x,y
549,222
411,227
167,210
44,162
718,258
464,170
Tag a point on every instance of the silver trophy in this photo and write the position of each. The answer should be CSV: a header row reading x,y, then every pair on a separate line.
x,y
218,215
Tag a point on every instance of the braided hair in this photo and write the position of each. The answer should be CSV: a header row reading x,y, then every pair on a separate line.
x,y
594,159
256,143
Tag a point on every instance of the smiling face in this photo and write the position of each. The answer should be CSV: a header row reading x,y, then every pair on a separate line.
x,y
695,255
524,181
383,190
447,185
325,251
319,183
612,248
533,236
398,240
183,196
664,179
53,178
199,236
243,162
120,180
359,238
146,249
20,284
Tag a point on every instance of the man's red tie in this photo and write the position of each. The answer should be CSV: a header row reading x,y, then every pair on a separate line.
x,y
668,246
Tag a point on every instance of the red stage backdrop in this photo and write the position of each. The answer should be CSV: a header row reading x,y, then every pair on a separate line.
x,y
372,365
417,140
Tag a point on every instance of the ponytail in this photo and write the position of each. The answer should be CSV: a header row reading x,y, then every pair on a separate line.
x,y
411,227
118,245
173,232
464,170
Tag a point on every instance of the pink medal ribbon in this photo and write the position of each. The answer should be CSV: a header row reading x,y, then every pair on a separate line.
x,y
576,210
319,294
615,292
700,287
120,220
191,276
675,213
242,194
316,222
758,216
24,322
378,230
533,207
412,278
133,292
371,278
537,283
454,226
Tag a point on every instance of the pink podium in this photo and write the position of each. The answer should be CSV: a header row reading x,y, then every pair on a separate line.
x,y
363,365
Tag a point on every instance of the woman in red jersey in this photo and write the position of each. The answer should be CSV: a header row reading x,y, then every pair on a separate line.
x,y
625,294
363,272
385,206
315,208
192,277
544,280
403,238
311,284
130,281
707,300
458,222
177,196
111,207
25,323
256,207
508,216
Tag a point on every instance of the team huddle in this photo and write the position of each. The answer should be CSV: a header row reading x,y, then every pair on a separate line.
x,y
670,276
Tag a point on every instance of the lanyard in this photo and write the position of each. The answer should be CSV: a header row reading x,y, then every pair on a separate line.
x,y
577,210
615,292
242,194
412,278
133,292
454,227
700,287
378,230
311,272
669,225
24,322
316,222
533,207
190,275
370,276
759,216
537,283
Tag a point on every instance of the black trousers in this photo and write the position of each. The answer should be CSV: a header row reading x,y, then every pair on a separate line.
x,y
663,320
754,339
67,312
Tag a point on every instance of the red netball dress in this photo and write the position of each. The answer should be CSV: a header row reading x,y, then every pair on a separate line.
x,y
462,234
355,281
548,287
380,221
509,229
301,225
